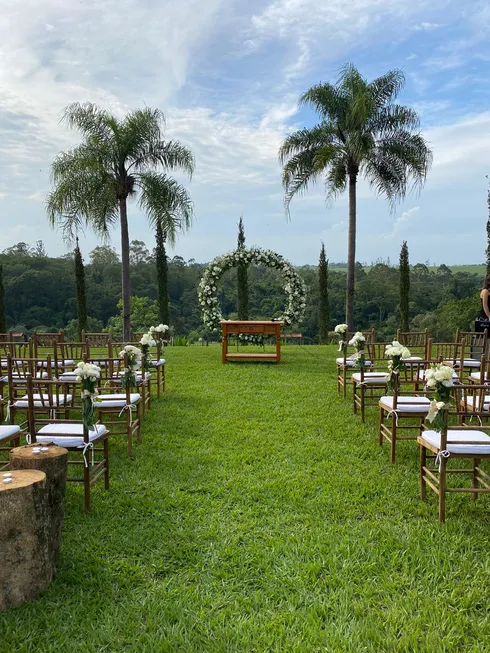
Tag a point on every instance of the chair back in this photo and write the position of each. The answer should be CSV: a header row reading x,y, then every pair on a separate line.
x,y
475,342
451,352
97,340
43,340
46,397
416,341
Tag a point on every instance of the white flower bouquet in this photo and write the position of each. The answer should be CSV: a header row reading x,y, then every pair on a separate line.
x,y
397,353
132,356
358,341
88,375
146,342
341,330
439,378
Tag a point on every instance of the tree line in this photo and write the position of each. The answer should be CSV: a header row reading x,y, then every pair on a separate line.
x,y
40,294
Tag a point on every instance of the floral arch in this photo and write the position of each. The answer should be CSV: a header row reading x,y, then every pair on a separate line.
x,y
293,284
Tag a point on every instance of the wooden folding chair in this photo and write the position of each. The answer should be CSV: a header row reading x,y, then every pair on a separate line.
x,y
475,347
345,363
449,353
115,407
405,405
416,341
459,442
366,385
91,445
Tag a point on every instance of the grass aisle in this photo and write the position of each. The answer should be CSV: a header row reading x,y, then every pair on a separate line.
x,y
260,515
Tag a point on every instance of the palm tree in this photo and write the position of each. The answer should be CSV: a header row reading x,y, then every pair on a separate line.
x,y
119,159
362,132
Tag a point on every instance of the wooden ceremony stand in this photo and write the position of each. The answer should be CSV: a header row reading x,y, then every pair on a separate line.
x,y
229,327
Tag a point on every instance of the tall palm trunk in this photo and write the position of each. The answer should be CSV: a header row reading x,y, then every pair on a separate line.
x,y
126,288
351,252
162,276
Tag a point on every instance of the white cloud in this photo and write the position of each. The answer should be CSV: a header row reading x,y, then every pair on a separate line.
x,y
402,222
426,27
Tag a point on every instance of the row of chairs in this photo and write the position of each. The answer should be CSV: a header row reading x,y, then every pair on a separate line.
x,y
403,414
38,400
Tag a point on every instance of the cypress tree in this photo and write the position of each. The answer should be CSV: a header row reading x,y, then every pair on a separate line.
x,y
162,276
3,317
81,292
324,314
404,287
488,233
242,277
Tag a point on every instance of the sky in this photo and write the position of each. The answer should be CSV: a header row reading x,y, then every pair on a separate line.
x,y
228,74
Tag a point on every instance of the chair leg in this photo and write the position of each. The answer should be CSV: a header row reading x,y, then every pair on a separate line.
x,y
354,393
158,382
106,465
442,491
86,487
423,463
363,402
344,379
380,433
474,480
393,439
138,414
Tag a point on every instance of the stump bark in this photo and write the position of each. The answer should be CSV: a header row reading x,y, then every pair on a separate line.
x,y
53,463
25,562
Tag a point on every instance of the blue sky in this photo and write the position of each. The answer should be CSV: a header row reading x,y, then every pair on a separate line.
x,y
228,74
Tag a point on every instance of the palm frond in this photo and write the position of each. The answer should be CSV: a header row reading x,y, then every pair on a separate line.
x,y
327,100
90,120
299,172
166,202
385,89
336,178
392,118
307,139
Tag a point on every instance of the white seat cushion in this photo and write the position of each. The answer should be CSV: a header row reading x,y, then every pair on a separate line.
x,y
62,363
412,360
476,376
407,404
350,363
138,377
67,377
469,362
473,401
57,401
8,431
370,377
434,438
68,435
161,361
116,400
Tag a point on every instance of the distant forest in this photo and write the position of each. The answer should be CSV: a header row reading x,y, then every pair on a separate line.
x,y
40,293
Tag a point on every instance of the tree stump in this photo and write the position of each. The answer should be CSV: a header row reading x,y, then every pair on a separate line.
x,y
53,463
25,566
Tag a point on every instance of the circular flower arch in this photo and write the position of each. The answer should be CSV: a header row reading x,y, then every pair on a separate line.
x,y
293,284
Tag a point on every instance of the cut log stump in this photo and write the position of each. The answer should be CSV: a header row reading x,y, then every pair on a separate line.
x,y
53,463
25,564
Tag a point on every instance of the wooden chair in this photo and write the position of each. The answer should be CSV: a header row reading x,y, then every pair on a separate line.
x,y
115,403
97,340
45,340
475,345
366,385
405,405
57,397
72,435
416,341
343,362
459,442
449,353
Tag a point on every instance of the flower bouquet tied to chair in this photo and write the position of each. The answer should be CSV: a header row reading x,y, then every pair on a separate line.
x,y
439,378
397,354
88,375
341,330
359,342
133,357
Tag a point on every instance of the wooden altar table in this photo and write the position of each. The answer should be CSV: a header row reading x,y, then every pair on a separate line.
x,y
262,328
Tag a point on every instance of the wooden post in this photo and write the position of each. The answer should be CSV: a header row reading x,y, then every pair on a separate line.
x,y
25,566
53,463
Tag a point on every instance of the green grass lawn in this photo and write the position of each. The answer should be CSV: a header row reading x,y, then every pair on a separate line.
x,y
260,515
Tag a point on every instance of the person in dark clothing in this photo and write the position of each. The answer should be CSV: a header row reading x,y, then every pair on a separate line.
x,y
482,322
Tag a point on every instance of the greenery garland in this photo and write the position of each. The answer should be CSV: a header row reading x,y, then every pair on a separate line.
x,y
294,284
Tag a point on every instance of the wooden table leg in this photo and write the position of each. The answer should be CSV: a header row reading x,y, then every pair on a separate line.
x,y
224,344
278,344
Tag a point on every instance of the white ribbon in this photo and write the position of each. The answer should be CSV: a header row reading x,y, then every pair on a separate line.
x,y
88,445
9,404
129,407
28,438
442,454
434,408
395,413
